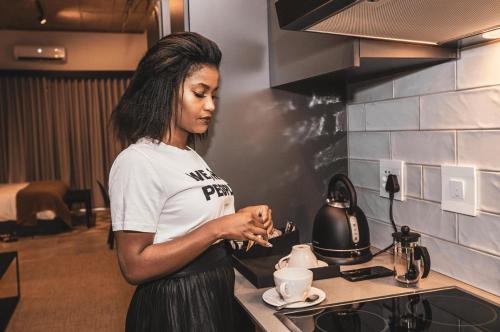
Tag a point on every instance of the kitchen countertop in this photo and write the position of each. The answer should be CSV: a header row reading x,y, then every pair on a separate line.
x,y
339,290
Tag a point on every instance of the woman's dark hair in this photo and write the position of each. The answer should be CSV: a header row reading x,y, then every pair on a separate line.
x,y
151,99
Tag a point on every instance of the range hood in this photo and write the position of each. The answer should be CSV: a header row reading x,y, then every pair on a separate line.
x,y
433,22
303,61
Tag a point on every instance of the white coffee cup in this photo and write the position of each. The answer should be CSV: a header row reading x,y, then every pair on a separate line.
x,y
293,283
301,256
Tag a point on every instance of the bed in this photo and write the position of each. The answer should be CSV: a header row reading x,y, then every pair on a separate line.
x,y
28,202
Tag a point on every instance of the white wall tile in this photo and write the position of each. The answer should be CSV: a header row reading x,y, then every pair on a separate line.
x,y
468,265
369,145
370,91
479,148
442,111
479,66
481,232
414,180
380,233
429,80
426,217
356,117
432,183
372,204
395,114
423,147
364,173
489,192
470,109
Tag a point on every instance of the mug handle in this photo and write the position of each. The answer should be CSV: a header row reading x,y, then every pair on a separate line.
x,y
282,290
283,259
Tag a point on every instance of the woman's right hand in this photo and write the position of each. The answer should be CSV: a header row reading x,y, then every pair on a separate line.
x,y
241,226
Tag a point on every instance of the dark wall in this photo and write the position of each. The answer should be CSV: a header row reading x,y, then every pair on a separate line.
x,y
273,146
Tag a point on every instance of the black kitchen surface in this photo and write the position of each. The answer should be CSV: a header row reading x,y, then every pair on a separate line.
x,y
444,310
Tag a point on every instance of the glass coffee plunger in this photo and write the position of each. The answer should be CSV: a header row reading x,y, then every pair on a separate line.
x,y
411,261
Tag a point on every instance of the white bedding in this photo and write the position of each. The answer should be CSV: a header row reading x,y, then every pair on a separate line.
x,y
8,210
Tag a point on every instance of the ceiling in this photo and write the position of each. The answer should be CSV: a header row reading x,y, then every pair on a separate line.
x,y
77,15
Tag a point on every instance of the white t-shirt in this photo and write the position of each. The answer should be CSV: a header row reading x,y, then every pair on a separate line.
x,y
161,189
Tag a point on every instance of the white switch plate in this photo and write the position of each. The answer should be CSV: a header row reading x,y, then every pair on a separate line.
x,y
458,188
396,167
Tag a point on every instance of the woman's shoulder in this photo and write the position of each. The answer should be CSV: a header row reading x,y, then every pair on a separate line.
x,y
135,160
138,150
135,154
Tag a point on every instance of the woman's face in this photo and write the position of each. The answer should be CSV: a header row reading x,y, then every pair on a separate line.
x,y
197,101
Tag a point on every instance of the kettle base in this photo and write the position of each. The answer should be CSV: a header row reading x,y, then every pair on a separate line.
x,y
345,260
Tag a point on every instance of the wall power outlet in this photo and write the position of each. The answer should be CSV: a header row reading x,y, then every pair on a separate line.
x,y
396,167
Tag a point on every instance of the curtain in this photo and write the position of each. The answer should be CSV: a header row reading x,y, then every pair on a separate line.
x,y
58,128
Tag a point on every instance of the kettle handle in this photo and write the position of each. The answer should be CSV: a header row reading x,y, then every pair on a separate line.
x,y
353,201
422,253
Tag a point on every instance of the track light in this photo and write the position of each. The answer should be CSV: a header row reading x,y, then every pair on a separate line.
x,y
493,34
41,14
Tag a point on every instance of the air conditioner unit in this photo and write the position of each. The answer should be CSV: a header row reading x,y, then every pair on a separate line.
x,y
50,53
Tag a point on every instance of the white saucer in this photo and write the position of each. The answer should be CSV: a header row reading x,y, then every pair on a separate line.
x,y
272,297
284,263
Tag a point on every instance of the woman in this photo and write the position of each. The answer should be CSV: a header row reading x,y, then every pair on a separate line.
x,y
169,209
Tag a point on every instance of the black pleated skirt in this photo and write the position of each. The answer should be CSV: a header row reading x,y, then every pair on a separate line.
x,y
198,298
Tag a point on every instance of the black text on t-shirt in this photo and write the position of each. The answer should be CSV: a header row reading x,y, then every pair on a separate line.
x,y
203,174
213,189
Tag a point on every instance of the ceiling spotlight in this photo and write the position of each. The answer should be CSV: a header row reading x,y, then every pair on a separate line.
x,y
493,34
41,14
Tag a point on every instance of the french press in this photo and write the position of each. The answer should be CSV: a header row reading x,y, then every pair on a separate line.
x,y
411,261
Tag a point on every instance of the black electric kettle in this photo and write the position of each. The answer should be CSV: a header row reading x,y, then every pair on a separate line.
x,y
340,231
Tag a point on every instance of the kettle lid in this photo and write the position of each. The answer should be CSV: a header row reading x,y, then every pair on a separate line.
x,y
405,236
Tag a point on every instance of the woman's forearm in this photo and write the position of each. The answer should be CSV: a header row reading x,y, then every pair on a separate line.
x,y
141,261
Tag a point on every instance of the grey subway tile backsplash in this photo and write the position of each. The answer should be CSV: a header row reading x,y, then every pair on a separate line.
x,y
426,217
479,148
489,192
414,181
478,66
380,233
356,117
424,147
471,109
481,232
395,114
429,80
364,173
373,205
458,123
370,91
432,183
363,145
465,264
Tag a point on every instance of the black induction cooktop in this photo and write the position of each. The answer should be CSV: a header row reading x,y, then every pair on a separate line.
x,y
443,310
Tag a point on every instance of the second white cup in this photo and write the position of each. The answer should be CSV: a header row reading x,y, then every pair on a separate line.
x,y
301,256
293,283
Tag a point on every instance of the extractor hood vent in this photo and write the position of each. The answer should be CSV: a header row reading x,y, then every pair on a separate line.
x,y
434,22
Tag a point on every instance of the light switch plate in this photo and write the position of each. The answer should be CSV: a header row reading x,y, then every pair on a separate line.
x,y
396,167
458,188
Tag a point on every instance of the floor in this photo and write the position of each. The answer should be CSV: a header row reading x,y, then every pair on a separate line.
x,y
69,282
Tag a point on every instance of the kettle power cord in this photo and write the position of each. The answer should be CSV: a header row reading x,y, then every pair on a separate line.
x,y
391,186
